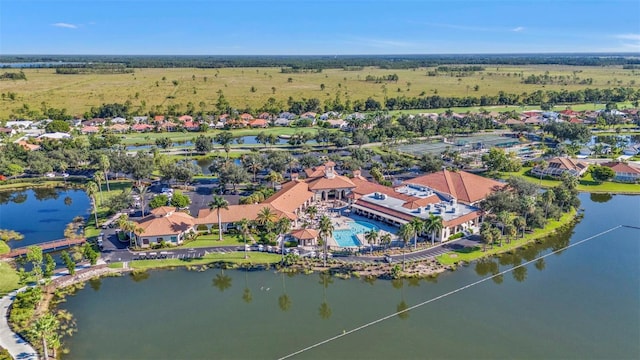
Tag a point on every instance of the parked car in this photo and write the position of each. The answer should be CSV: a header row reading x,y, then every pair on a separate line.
x,y
388,259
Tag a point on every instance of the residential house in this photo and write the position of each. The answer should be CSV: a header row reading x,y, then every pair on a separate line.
x,y
119,128
246,117
632,150
282,122
28,146
259,123
168,126
19,124
559,165
624,172
185,118
7,131
118,120
164,225
287,115
55,136
337,123
309,115
191,125
89,130
265,116
158,119
142,127
140,119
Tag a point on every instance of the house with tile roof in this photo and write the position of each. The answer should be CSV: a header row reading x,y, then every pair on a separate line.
x,y
624,172
164,224
465,187
90,129
559,165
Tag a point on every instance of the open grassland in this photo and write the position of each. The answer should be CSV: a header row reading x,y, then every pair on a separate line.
x,y
78,93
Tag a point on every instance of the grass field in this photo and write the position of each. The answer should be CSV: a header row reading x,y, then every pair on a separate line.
x,y
78,93
586,184
9,279
476,253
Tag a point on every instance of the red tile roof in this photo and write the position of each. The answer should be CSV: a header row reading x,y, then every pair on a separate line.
x,y
305,234
337,182
464,186
620,167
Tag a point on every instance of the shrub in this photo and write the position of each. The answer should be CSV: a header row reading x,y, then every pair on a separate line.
x,y
456,236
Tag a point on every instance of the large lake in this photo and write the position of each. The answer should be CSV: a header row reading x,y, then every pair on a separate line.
x,y
580,303
41,214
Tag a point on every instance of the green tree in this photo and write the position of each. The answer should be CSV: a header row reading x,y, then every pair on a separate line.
x,y
158,201
243,226
372,238
91,189
418,226
34,256
434,225
326,231
49,265
68,262
218,203
274,178
283,226
45,328
180,200
105,164
58,126
602,173
406,232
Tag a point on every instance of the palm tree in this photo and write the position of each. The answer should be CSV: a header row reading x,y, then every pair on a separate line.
x,y
433,225
98,176
105,164
405,233
372,237
487,237
218,203
519,222
253,163
243,225
283,226
548,197
291,162
385,239
569,181
542,166
510,231
418,225
504,217
266,217
326,231
45,328
92,189
142,191
312,211
275,177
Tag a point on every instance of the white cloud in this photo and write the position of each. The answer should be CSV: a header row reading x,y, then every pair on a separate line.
x,y
65,25
635,37
517,29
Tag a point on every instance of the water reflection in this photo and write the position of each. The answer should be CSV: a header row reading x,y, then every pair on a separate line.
x,y
42,194
284,302
600,198
95,284
139,276
324,310
222,281
246,293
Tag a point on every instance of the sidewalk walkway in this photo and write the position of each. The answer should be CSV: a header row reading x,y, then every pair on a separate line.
x,y
18,348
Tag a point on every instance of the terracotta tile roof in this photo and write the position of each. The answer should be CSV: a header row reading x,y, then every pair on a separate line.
x,y
420,202
246,116
119,127
158,118
620,167
567,164
173,224
163,210
258,123
90,129
30,147
464,186
185,118
292,195
305,234
315,172
337,182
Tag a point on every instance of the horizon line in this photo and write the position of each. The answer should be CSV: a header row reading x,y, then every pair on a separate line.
x,y
637,53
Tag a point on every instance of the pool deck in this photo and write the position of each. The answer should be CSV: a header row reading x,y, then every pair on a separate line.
x,y
341,222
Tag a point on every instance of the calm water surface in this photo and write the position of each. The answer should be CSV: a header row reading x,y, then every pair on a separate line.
x,y
41,214
580,303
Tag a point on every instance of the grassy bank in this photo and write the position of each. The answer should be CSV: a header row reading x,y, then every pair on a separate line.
x,y
586,183
9,279
232,257
4,248
471,254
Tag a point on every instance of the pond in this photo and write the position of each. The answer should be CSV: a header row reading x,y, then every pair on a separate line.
x,y
41,214
579,303
204,164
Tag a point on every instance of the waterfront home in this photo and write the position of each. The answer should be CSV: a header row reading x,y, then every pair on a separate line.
x,y
142,127
282,122
165,224
246,117
559,165
259,123
632,150
624,172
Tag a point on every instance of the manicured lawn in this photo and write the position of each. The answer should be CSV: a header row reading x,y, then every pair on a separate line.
x,y
235,257
150,137
9,279
116,187
4,248
32,184
476,253
212,240
587,184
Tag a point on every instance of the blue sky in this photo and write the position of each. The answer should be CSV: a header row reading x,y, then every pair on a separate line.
x,y
325,27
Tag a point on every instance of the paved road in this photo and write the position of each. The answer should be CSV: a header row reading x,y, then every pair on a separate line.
x,y
18,348
425,254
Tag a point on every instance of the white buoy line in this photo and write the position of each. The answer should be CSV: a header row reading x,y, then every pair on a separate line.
x,y
364,326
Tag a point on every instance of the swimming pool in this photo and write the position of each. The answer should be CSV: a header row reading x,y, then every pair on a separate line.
x,y
348,237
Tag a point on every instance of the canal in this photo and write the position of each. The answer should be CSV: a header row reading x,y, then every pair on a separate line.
x,y
578,303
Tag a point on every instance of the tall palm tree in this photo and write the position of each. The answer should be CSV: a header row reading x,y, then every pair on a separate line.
x,y
92,189
253,163
283,226
528,205
326,231
487,237
266,217
385,239
105,164
372,238
510,231
142,191
519,222
548,197
243,225
405,233
275,177
98,176
418,225
504,217
542,166
218,203
291,162
433,225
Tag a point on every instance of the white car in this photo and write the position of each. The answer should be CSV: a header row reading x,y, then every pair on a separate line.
x,y
50,175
